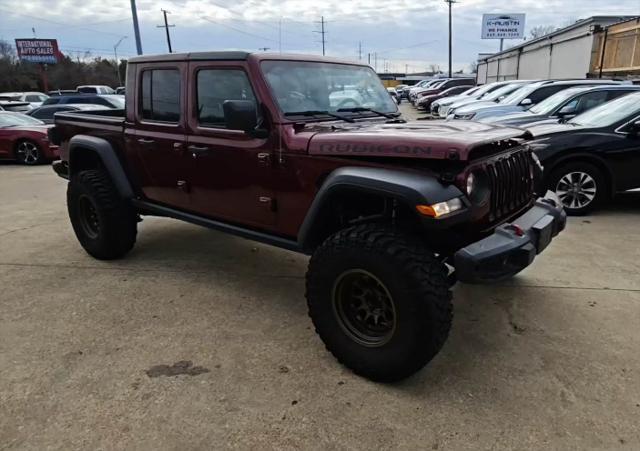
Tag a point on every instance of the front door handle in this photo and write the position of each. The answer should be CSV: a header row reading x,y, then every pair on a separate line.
x,y
146,141
198,150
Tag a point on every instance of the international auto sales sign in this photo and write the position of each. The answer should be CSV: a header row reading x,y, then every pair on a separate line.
x,y
38,50
503,26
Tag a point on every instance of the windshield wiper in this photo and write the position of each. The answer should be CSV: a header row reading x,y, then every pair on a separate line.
x,y
319,113
361,109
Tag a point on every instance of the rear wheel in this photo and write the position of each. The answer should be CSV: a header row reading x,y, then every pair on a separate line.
x,y
380,301
29,153
104,223
580,186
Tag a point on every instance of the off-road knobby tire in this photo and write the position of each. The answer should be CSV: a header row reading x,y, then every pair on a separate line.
x,y
603,188
116,217
417,283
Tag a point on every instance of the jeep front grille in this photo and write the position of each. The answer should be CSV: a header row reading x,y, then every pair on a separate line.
x,y
511,183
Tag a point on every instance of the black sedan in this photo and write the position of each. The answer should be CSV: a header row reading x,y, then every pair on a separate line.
x,y
594,155
564,105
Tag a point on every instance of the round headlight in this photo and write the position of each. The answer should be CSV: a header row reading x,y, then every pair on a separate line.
x,y
471,183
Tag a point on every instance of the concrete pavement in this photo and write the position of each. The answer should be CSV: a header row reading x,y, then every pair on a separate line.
x,y
200,340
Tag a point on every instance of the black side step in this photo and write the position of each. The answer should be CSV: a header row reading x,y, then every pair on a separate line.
x,y
254,235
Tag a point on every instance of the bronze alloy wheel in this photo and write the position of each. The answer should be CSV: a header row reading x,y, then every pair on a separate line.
x,y
364,308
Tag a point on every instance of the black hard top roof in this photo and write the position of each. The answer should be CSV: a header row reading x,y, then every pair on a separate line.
x,y
191,56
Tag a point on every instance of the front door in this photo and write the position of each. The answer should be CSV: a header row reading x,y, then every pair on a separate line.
x,y
231,173
159,136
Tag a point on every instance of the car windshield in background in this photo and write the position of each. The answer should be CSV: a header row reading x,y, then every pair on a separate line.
x,y
10,98
116,100
17,119
551,103
300,86
520,94
610,113
504,91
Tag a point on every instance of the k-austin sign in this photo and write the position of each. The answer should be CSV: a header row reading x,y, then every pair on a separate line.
x,y
503,26
38,50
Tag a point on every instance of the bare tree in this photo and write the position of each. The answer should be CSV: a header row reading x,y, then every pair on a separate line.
x,y
434,68
541,30
473,67
7,51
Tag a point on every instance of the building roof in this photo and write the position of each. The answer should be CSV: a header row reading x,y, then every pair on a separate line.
x,y
573,26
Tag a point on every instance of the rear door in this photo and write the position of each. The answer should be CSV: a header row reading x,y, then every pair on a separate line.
x,y
230,172
159,133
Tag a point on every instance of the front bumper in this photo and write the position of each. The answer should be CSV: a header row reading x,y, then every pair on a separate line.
x,y
513,246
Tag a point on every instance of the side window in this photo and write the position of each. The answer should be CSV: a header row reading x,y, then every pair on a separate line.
x,y
160,99
591,100
33,98
46,113
542,93
618,93
214,87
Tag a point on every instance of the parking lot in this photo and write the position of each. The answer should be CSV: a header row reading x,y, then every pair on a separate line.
x,y
93,355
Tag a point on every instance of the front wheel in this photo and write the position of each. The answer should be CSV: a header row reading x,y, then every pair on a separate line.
x,y
104,223
580,186
380,301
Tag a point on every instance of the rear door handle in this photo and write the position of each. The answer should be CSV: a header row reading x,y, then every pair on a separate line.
x,y
146,141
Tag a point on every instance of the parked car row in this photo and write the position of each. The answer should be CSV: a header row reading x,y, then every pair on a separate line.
x,y
26,116
586,133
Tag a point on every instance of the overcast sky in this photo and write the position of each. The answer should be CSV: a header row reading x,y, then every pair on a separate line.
x,y
401,32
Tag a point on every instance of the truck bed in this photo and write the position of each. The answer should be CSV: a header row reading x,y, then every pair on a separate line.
x,y
108,123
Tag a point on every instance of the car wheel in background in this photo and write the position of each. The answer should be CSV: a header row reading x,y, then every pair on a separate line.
x,y
580,186
28,152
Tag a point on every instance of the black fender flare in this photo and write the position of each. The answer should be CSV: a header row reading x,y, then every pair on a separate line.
x,y
107,155
407,187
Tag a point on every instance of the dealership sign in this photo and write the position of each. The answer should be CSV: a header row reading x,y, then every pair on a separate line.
x,y
503,26
38,50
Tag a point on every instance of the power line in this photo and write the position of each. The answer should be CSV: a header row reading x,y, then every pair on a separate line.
x,y
166,26
80,27
238,30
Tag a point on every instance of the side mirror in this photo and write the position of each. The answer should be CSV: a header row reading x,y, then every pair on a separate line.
x,y
567,110
240,115
526,102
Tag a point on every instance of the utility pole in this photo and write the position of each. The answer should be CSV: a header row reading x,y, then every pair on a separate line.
x,y
166,27
369,58
280,35
136,28
375,61
450,2
322,33
359,50
115,53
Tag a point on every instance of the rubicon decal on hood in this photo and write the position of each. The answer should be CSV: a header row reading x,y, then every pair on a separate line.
x,y
374,148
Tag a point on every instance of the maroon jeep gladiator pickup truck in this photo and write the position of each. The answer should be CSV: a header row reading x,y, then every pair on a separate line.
x,y
311,154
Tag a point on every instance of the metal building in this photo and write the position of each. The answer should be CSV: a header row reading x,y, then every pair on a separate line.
x,y
565,53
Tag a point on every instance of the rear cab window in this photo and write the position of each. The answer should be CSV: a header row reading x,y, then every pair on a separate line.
x,y
159,99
